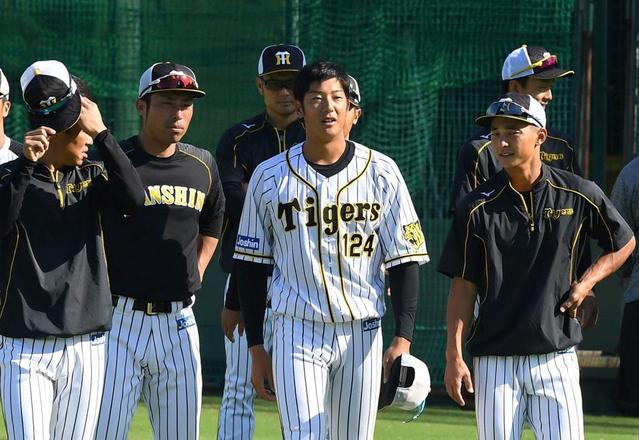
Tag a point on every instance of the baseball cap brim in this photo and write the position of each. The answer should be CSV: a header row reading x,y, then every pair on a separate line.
x,y
552,74
388,389
278,71
62,119
195,93
486,120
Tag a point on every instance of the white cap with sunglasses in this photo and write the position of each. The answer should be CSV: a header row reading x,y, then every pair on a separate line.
x,y
534,62
50,95
169,77
515,106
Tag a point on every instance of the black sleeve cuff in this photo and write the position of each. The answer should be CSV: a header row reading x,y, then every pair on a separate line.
x,y
404,285
99,139
251,284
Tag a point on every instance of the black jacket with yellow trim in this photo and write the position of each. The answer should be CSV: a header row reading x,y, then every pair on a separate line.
x,y
53,272
521,250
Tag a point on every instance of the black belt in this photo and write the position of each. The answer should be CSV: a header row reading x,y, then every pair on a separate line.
x,y
152,307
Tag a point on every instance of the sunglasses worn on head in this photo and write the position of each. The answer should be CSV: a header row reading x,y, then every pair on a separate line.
x,y
275,85
173,81
52,108
510,108
542,65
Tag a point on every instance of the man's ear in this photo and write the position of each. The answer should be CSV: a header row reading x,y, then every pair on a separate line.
x,y
358,114
542,134
6,106
259,83
140,107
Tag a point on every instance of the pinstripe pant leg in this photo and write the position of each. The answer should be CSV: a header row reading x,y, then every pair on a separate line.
x,y
500,406
172,389
236,420
555,406
354,388
79,388
128,340
268,330
27,385
300,370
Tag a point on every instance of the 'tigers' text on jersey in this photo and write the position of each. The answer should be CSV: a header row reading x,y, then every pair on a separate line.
x,y
331,214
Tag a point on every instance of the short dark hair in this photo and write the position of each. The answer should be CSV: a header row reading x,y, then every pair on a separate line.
x,y
318,71
505,83
83,87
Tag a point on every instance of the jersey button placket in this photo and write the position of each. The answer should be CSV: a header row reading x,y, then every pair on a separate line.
x,y
329,247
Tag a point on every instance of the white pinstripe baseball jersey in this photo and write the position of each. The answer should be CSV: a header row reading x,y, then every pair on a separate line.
x,y
329,238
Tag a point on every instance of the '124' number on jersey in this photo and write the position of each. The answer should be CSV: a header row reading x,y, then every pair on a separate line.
x,y
355,245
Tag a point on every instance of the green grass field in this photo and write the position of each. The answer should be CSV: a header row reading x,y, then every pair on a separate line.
x,y
435,423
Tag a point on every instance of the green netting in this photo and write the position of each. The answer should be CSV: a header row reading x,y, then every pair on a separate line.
x,y
426,69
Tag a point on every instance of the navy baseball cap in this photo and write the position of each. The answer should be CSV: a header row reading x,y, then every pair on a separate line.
x,y
533,62
169,77
353,92
280,58
515,106
50,95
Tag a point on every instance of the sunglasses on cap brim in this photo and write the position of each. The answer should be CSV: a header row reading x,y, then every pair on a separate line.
x,y
509,108
546,63
171,82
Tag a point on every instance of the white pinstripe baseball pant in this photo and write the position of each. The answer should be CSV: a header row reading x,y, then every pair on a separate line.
x,y
51,387
157,356
542,389
327,377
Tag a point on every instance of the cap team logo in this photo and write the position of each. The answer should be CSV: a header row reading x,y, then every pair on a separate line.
x,y
48,102
282,57
413,234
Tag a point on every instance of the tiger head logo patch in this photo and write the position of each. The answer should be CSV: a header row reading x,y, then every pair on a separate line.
x,y
413,234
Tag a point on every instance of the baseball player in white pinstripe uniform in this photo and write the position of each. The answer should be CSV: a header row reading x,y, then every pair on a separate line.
x,y
513,245
330,215
153,349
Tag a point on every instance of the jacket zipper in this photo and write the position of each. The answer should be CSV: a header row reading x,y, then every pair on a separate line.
x,y
279,141
54,177
532,213
529,213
